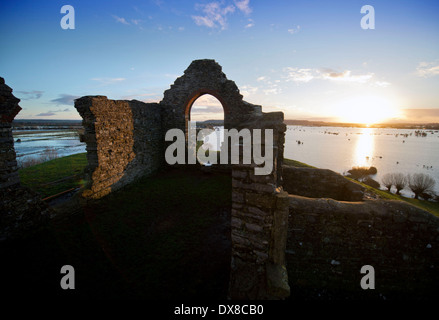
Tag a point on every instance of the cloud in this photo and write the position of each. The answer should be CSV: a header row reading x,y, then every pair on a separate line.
x,y
52,112
107,81
121,20
244,6
427,69
299,75
306,75
205,107
136,21
272,91
45,114
261,78
382,84
207,100
421,115
65,99
248,90
28,95
294,30
145,97
250,24
346,76
215,15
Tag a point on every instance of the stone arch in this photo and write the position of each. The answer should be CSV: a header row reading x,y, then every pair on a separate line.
x,y
126,140
205,77
194,97
259,206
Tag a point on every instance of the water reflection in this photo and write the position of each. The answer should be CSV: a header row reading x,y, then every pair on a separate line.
x,y
364,148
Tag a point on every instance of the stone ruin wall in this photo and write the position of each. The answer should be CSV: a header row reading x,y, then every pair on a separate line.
x,y
329,241
326,241
21,210
124,142
9,108
259,224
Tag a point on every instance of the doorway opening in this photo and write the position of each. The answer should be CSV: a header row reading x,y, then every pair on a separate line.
x,y
206,119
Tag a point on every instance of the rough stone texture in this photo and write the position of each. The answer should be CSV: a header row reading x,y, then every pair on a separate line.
x,y
329,241
259,223
21,210
126,139
204,77
123,142
320,183
8,110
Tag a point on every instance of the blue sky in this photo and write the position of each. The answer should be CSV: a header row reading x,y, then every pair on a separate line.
x,y
309,59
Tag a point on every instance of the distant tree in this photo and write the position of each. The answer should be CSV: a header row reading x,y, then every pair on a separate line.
x,y
387,181
420,183
399,181
361,173
372,170
427,195
371,182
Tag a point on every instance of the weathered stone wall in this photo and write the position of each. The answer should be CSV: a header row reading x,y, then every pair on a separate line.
x,y
204,77
329,241
21,210
320,183
259,224
124,142
8,110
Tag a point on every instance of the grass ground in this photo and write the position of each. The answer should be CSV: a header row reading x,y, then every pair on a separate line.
x,y
45,177
163,237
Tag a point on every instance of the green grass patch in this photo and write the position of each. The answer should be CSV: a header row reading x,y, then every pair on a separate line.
x,y
43,177
295,163
432,207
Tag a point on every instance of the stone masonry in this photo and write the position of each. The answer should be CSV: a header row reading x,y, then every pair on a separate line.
x,y
323,241
22,210
126,140
329,241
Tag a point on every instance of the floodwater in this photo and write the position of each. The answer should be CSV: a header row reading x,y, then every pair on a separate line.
x,y
339,149
335,148
389,150
34,143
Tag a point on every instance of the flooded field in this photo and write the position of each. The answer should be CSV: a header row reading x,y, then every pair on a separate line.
x,y
39,145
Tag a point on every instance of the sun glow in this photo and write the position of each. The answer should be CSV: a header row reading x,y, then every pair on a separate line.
x,y
365,109
364,147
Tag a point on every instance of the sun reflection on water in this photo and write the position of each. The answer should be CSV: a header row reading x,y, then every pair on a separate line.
x,y
364,148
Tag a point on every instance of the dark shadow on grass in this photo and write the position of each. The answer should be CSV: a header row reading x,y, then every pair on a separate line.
x,y
166,237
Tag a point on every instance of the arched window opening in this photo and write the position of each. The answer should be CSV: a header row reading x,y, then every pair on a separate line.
x,y
207,118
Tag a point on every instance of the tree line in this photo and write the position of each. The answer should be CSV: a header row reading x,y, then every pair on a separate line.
x,y
420,184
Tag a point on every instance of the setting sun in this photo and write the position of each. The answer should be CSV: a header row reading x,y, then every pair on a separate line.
x,y
365,109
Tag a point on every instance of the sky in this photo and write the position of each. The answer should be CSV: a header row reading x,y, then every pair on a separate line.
x,y
310,59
